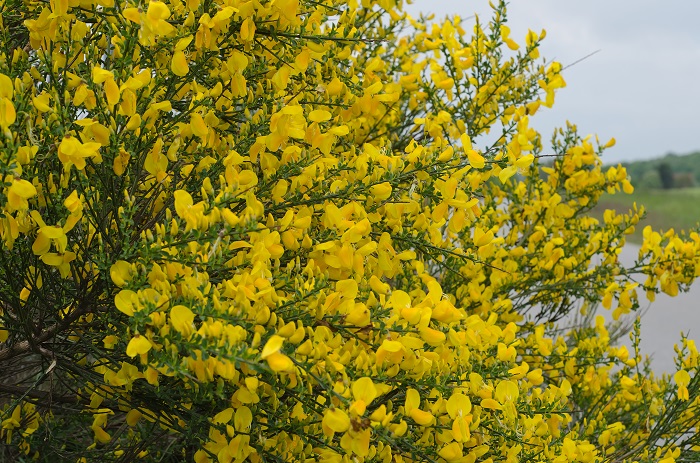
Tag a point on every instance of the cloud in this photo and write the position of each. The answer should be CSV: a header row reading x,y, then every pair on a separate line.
x,y
642,87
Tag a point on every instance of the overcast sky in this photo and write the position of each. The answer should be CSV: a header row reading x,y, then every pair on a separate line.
x,y
642,87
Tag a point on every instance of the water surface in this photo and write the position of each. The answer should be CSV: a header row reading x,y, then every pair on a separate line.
x,y
664,319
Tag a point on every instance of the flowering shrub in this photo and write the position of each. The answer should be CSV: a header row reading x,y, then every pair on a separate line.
x,y
301,230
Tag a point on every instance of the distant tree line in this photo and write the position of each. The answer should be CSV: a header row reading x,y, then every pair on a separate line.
x,y
670,171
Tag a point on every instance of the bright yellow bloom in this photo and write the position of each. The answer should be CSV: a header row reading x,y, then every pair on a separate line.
x,y
72,152
138,345
18,194
336,420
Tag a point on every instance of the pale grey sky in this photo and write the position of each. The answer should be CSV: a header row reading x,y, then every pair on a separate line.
x,y
642,87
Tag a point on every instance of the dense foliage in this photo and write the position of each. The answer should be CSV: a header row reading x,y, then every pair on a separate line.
x,y
301,230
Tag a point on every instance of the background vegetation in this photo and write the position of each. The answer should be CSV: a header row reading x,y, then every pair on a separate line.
x,y
677,206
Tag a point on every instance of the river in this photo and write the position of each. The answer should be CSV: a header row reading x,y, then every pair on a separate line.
x,y
664,320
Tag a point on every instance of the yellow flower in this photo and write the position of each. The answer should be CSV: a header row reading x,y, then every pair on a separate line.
x,y
280,363
156,16
18,194
7,89
138,345
41,102
507,391
682,379
242,419
391,350
181,318
287,123
273,345
179,64
125,300
422,417
381,191
336,420
48,235
187,210
100,75
121,272
451,452
73,203
319,115
7,113
364,392
247,30
72,152
112,92
432,337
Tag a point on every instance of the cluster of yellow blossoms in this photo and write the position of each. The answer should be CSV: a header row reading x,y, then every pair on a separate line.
x,y
300,230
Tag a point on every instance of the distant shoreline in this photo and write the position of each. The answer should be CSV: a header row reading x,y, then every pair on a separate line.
x,y
677,208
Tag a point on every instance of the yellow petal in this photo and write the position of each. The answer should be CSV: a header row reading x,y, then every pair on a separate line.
x,y
490,403
112,92
23,188
101,435
421,417
336,420
482,238
185,41
377,286
157,10
460,428
364,389
280,363
41,245
182,318
412,400
432,337
100,75
525,161
381,191
274,344
475,159
52,259
41,102
348,288
458,403
183,201
179,64
451,452
243,419
223,416
132,14
682,378
7,89
340,130
400,299
247,30
121,271
391,346
199,127
506,391
8,115
133,417
124,301
359,315
507,173
52,232
138,345
319,115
